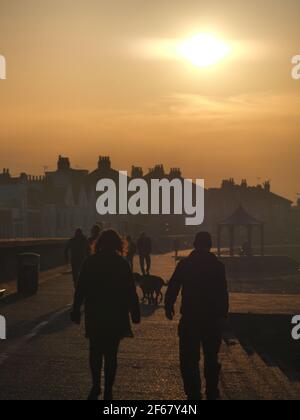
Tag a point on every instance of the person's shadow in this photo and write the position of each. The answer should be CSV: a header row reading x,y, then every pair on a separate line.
x,y
269,335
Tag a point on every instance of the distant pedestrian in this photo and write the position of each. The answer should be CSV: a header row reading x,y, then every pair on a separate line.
x,y
107,290
76,252
176,247
131,251
144,246
95,233
204,309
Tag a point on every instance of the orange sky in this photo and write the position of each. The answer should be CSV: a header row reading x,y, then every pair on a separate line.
x,y
78,86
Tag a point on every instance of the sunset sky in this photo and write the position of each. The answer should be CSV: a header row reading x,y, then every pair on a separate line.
x,y
91,77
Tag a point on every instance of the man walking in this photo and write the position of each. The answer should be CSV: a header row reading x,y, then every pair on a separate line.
x,y
144,246
76,252
204,310
95,233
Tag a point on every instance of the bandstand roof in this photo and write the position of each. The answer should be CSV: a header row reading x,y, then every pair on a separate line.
x,y
241,218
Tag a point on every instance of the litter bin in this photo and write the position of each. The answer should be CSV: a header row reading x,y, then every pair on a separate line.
x,y
28,273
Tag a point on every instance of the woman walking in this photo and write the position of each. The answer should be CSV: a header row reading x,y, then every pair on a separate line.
x,y
107,290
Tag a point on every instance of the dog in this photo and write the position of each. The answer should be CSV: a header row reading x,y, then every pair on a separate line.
x,y
151,287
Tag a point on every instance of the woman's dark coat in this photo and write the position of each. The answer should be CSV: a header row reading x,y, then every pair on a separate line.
x,y
107,290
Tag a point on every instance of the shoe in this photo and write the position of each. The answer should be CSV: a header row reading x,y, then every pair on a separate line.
x,y
194,397
215,396
108,396
94,394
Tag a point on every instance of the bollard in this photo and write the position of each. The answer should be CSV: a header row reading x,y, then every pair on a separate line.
x,y
28,273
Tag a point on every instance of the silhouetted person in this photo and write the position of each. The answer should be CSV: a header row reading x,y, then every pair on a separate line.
x,y
176,247
131,251
202,279
76,252
246,250
95,233
144,246
107,290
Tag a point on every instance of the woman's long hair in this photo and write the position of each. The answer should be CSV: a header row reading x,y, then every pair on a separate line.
x,y
110,241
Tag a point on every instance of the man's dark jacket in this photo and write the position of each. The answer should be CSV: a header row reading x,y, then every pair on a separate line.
x,y
107,289
202,279
78,249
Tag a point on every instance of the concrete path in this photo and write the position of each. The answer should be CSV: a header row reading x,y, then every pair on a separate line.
x,y
46,357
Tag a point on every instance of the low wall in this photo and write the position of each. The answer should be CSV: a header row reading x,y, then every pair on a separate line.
x,y
50,250
267,266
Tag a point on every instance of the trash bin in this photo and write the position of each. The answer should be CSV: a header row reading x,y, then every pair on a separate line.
x,y
28,273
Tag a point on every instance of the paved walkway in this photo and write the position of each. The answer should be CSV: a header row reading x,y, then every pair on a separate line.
x,y
45,357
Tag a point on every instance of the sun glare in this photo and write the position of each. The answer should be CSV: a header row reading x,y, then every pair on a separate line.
x,y
203,50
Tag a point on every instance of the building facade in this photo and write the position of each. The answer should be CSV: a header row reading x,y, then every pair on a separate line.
x,y
62,200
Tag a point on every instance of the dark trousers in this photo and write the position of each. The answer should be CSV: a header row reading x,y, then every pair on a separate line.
x,y
190,353
106,351
76,268
145,259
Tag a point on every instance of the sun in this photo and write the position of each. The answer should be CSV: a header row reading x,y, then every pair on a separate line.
x,y
203,50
